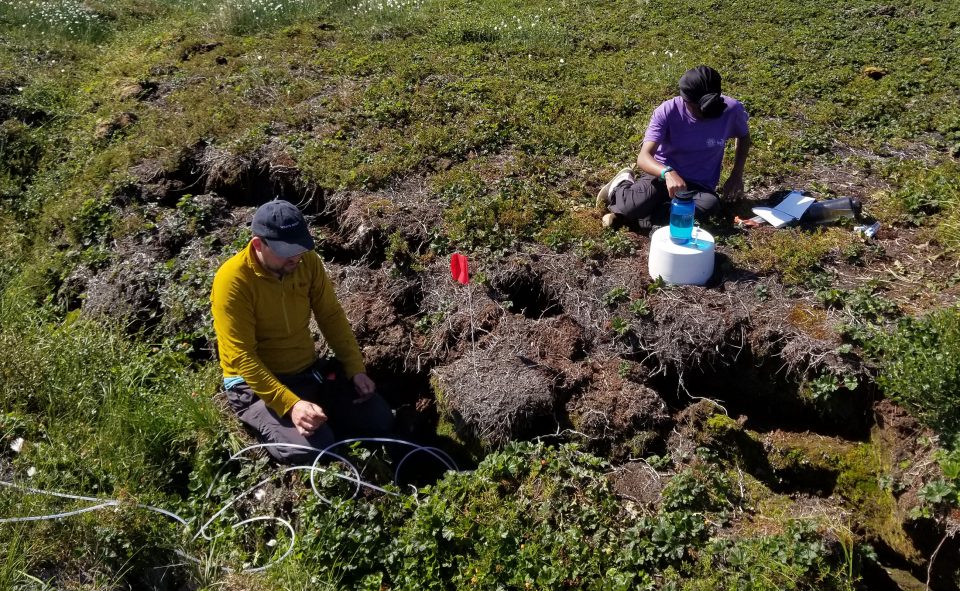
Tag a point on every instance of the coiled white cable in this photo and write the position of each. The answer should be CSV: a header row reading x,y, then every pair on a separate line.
x,y
353,476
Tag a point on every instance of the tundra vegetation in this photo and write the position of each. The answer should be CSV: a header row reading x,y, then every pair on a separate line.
x,y
792,426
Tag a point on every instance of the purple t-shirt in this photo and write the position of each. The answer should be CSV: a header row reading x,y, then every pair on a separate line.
x,y
694,147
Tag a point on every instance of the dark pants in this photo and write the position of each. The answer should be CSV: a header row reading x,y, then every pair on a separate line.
x,y
325,385
647,197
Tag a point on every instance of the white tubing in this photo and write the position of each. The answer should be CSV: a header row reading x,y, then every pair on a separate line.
x,y
354,477
60,515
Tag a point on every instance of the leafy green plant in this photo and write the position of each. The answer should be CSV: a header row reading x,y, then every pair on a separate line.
x,y
619,326
923,193
827,384
703,488
93,222
656,285
615,296
920,369
428,321
866,308
617,243
496,219
639,307
938,491
795,558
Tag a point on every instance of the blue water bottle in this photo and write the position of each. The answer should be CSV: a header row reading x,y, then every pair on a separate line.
x,y
681,216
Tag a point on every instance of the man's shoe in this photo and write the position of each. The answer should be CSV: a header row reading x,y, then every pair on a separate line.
x,y
603,197
610,220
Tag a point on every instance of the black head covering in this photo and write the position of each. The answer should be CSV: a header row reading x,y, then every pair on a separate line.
x,y
701,85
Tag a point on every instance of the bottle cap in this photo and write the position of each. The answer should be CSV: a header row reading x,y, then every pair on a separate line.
x,y
856,206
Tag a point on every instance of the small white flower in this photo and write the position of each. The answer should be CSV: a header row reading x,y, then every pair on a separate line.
x,y
17,445
272,543
561,61
260,494
31,471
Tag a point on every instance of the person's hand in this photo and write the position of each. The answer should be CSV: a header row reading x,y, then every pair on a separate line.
x,y
733,188
364,387
307,417
675,183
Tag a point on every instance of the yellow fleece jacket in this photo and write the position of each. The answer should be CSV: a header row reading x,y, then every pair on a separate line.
x,y
263,324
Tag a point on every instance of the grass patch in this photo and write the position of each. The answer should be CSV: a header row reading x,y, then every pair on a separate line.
x,y
928,197
99,416
512,113
240,17
369,93
792,253
71,19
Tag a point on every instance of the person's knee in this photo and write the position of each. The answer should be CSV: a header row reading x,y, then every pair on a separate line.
x,y
378,416
639,199
707,204
301,450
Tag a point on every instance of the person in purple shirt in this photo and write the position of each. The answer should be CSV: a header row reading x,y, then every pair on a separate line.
x,y
682,151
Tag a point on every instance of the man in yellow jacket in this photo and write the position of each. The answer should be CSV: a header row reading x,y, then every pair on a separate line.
x,y
262,299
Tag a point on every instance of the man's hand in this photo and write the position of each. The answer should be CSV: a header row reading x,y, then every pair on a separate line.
x,y
307,417
675,183
364,387
733,187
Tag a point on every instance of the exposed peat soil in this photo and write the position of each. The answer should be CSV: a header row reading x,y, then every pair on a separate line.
x,y
569,346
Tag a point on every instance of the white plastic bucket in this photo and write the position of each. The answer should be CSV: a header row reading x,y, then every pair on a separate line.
x,y
690,263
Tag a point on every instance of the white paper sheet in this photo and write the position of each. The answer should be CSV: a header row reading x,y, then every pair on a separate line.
x,y
794,204
772,216
791,208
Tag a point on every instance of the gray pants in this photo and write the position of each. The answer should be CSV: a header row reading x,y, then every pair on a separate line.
x,y
325,385
648,195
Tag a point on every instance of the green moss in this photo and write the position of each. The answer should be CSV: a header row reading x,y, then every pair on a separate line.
x,y
402,258
800,452
859,480
720,425
876,507
735,444
790,252
578,227
641,444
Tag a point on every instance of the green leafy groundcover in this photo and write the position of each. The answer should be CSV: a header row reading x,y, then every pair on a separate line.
x,y
531,516
541,517
921,368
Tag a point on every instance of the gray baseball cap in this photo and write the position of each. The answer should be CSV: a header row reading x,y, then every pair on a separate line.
x,y
282,226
